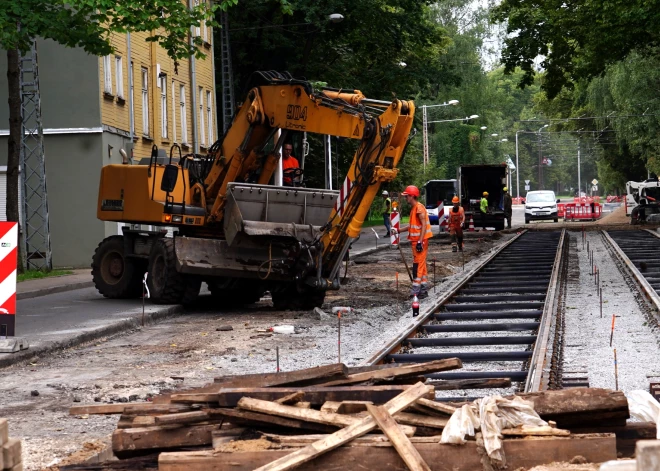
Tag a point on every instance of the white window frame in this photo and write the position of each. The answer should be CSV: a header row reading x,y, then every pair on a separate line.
x,y
144,73
197,28
209,117
183,112
119,76
131,90
202,131
107,74
174,111
163,106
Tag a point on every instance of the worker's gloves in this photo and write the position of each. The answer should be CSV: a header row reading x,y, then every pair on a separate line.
x,y
393,231
418,247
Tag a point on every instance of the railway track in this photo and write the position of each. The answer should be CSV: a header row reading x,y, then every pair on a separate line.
x,y
498,321
640,252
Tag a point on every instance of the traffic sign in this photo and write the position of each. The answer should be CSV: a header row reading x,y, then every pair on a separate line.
x,y
526,187
594,182
527,182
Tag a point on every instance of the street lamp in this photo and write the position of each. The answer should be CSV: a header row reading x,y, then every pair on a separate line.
x,y
425,127
541,185
336,18
483,128
467,118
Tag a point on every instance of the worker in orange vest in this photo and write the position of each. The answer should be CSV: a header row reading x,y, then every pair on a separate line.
x,y
456,222
419,233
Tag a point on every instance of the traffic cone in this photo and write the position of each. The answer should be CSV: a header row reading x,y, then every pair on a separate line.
x,y
471,228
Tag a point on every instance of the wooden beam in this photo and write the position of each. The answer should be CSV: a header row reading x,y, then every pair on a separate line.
x,y
128,408
345,435
437,406
317,395
182,418
307,415
471,384
400,442
544,431
419,420
291,398
147,438
520,453
353,407
414,369
305,377
366,440
257,419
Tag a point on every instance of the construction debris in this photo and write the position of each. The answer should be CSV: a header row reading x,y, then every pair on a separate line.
x,y
339,417
11,451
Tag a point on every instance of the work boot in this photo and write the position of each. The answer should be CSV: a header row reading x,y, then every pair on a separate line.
x,y
423,295
453,248
387,234
460,248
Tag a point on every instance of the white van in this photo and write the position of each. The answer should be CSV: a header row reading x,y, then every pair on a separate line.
x,y
541,205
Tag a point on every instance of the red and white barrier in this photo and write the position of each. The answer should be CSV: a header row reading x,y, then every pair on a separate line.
x,y
575,211
343,195
394,222
8,263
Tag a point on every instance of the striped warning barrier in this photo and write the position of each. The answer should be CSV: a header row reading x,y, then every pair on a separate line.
x,y
394,221
8,260
343,196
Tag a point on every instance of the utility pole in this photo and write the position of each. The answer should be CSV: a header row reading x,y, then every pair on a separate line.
x,y
36,229
426,136
579,176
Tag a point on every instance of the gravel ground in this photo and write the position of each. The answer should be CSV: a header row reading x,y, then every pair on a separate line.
x,y
190,350
587,335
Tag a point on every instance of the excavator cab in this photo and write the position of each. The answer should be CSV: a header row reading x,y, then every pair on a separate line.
x,y
234,229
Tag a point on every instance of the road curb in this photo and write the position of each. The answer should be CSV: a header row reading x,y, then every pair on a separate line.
x,y
53,290
119,326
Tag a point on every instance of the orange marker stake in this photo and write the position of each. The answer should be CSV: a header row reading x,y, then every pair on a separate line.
x,y
612,334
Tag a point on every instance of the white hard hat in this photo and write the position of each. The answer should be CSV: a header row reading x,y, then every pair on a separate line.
x,y
384,193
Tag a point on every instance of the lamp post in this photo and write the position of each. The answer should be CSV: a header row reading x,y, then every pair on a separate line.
x,y
467,118
541,185
426,124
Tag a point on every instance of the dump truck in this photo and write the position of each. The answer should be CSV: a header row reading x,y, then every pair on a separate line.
x,y
234,229
473,180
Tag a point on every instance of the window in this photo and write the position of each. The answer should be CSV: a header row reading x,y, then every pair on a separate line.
x,y
132,95
107,74
163,105
197,28
205,32
119,76
145,101
182,110
202,140
209,117
173,112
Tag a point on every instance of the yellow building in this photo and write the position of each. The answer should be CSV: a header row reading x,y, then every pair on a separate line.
x,y
147,99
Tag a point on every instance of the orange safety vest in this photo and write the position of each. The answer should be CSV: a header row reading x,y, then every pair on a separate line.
x,y
456,219
415,229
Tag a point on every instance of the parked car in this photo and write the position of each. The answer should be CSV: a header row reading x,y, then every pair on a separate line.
x,y
541,205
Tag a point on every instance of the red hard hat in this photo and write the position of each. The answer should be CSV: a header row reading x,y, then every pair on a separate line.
x,y
411,190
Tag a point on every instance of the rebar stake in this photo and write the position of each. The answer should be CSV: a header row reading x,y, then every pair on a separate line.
x,y
612,333
277,357
616,373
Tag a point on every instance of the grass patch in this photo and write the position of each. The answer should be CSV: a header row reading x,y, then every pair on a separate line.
x,y
37,274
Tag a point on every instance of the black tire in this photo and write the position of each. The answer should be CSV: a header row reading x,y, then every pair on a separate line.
x,y
634,217
526,221
499,226
191,289
556,219
298,299
166,285
114,275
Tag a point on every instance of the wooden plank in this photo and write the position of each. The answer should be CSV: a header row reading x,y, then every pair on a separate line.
x,y
303,405
305,377
12,453
345,435
437,406
257,419
353,407
330,406
520,453
400,442
4,431
314,394
307,415
291,398
148,438
544,431
182,418
420,420
128,408
627,436
414,369
453,385
366,440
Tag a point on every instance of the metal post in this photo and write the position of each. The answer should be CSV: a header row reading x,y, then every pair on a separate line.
x,y
517,169
328,163
579,175
277,354
279,173
36,228
426,136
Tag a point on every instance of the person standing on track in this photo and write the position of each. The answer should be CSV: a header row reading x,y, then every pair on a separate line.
x,y
456,221
508,210
483,209
419,233
387,210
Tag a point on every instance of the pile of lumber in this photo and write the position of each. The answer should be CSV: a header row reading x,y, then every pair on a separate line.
x,y
11,457
382,417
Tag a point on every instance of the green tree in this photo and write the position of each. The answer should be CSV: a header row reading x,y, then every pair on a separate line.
x,y
88,24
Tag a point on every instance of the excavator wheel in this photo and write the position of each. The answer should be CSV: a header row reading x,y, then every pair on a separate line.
x,y
166,285
116,276
192,285
297,299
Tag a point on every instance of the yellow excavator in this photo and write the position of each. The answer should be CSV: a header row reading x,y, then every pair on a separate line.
x,y
233,229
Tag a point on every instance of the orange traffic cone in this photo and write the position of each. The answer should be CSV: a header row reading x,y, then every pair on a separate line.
x,y
471,228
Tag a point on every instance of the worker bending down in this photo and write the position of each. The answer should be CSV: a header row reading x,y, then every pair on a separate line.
x,y
456,221
419,233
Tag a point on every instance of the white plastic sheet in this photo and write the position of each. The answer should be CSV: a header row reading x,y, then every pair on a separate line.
x,y
490,415
644,407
